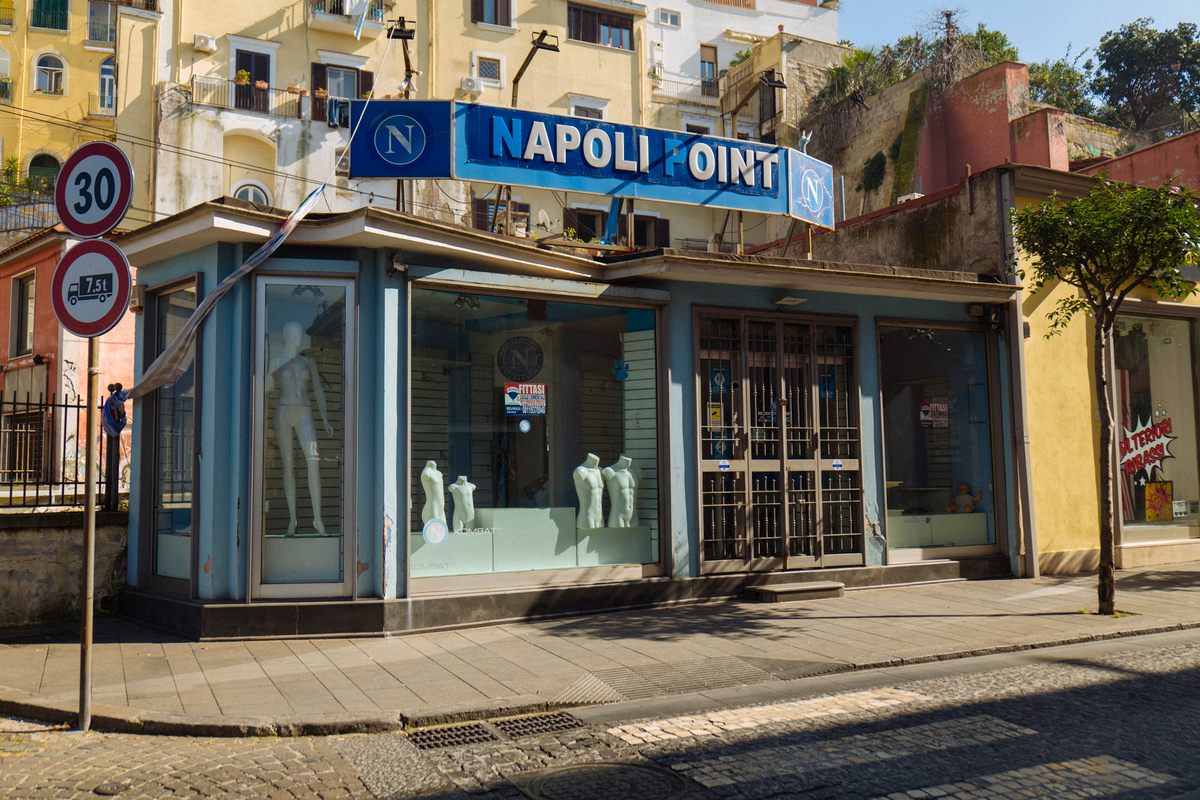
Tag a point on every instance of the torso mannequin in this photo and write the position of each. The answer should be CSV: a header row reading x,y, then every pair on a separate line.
x,y
293,418
463,492
589,486
622,494
435,496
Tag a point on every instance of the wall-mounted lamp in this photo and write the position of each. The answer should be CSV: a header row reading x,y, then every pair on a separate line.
x,y
789,300
39,359
768,78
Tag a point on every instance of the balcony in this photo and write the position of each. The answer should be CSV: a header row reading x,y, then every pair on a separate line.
x,y
102,106
6,18
144,5
341,16
220,93
702,91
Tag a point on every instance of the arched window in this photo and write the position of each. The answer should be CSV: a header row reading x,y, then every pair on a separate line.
x,y
43,170
108,85
252,193
50,75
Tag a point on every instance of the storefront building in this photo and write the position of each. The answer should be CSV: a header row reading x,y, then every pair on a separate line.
x,y
395,424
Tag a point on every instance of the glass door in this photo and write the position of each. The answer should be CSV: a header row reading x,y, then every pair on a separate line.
x,y
780,485
304,419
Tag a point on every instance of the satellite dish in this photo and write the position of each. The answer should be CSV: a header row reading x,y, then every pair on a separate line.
x,y
543,219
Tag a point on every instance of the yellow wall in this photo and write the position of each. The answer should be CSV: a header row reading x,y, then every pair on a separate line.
x,y
33,123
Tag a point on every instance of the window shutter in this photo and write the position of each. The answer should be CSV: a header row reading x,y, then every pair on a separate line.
x,y
320,80
479,215
503,12
590,31
476,10
662,232
366,82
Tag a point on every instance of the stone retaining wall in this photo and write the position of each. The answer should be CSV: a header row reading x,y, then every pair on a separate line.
x,y
41,558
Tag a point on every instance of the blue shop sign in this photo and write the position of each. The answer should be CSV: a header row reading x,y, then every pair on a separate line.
x,y
465,141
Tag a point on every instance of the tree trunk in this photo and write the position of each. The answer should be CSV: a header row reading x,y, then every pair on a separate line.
x,y
1107,588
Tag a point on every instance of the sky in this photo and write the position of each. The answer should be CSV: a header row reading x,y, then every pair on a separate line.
x,y
1040,29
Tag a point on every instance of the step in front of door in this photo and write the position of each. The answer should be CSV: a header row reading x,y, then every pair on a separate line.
x,y
787,592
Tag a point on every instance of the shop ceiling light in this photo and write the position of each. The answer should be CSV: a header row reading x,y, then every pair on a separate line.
x,y
789,300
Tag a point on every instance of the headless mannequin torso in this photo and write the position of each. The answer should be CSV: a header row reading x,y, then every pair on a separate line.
x,y
589,486
622,494
463,492
435,496
293,418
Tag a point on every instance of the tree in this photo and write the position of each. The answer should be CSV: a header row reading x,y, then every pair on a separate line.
x,y
1105,244
1149,79
1063,84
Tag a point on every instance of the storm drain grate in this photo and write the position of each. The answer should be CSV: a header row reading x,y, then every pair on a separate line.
x,y
451,736
537,724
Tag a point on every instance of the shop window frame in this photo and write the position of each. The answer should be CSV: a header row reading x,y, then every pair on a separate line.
x,y
996,428
567,576
146,410
1148,310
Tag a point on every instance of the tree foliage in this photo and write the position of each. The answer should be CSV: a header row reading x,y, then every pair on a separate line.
x,y
1063,83
1149,79
1106,244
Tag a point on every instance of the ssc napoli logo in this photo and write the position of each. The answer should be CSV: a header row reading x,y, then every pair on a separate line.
x,y
400,140
435,531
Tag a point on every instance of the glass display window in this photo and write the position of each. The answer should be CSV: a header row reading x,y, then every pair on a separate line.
x,y
304,388
534,435
937,429
1155,413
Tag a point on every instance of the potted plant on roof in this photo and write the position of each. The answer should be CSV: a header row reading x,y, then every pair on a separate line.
x,y
242,77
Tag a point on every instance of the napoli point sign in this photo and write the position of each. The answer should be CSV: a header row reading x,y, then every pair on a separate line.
x,y
466,141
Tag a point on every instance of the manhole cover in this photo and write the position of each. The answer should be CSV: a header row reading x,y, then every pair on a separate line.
x,y
113,788
603,781
451,736
536,724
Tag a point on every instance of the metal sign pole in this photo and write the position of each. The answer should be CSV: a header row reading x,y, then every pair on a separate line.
x,y
89,538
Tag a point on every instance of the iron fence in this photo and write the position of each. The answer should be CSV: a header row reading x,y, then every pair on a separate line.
x,y
223,93
375,9
42,455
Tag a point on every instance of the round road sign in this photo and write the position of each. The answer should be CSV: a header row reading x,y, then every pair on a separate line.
x,y
90,290
93,189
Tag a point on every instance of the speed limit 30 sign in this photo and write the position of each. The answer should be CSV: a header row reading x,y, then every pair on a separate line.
x,y
94,189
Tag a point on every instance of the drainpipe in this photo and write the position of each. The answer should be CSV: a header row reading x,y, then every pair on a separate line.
x,y
1027,542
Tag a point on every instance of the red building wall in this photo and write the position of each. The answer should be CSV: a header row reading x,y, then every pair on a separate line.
x,y
1176,160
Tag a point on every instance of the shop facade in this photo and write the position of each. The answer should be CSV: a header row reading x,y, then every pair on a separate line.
x,y
394,424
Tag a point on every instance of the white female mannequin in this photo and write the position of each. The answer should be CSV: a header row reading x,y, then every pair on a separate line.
x,y
589,486
463,492
622,494
435,495
293,417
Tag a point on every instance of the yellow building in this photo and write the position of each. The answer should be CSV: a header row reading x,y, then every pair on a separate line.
x,y
1154,384
58,90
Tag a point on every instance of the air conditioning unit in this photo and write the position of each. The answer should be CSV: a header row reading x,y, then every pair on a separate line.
x,y
204,43
470,84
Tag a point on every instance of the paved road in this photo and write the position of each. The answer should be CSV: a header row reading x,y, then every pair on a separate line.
x,y
1118,719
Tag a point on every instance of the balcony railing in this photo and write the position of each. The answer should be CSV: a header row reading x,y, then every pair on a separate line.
x,y
54,19
104,32
145,5
221,93
102,105
375,10
6,17
699,91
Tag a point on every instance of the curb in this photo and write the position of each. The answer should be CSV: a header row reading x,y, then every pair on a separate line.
x,y
122,719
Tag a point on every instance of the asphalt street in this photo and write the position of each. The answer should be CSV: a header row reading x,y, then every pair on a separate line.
x,y
1116,719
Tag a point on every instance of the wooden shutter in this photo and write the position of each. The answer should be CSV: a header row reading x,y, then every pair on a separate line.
x,y
320,80
504,12
366,82
479,213
662,232
476,10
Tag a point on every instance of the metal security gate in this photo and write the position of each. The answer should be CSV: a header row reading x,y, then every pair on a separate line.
x,y
780,484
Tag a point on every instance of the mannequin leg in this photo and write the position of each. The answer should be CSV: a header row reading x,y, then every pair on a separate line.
x,y
308,441
283,440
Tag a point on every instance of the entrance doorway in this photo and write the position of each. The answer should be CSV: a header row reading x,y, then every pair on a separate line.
x,y
780,482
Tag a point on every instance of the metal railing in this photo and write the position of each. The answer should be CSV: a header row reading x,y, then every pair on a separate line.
x,y
6,17
375,9
42,450
102,105
699,91
26,206
145,5
101,31
221,93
